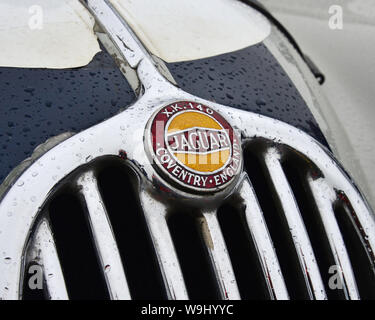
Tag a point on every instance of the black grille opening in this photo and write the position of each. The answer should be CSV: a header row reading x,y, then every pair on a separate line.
x,y
296,171
360,260
78,258
242,252
131,232
193,256
276,222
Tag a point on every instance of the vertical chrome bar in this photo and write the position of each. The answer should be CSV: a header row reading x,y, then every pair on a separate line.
x,y
324,197
155,214
304,250
218,252
43,251
263,243
104,238
126,42
118,30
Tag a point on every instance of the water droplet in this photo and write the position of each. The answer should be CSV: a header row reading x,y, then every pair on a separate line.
x,y
260,102
20,183
29,90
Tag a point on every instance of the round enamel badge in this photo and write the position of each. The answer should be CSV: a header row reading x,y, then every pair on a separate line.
x,y
194,146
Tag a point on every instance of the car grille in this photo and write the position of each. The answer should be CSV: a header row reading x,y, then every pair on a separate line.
x,y
100,235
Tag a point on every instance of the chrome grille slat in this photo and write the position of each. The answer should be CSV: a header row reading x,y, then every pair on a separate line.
x,y
43,251
156,214
304,250
324,197
105,242
263,243
219,256
365,224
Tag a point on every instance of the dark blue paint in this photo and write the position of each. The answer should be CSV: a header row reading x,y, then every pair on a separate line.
x,y
248,79
36,104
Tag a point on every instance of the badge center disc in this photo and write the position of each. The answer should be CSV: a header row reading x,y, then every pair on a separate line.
x,y
194,146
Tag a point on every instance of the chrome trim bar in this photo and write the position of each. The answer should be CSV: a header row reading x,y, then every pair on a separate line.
x,y
121,34
324,197
104,238
215,244
263,243
156,214
304,250
43,252
125,40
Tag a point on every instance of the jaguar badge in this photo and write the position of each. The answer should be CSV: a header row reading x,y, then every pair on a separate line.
x,y
194,146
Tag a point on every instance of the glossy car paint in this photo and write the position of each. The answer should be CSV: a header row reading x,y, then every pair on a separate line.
x,y
37,104
46,102
46,34
188,30
249,79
